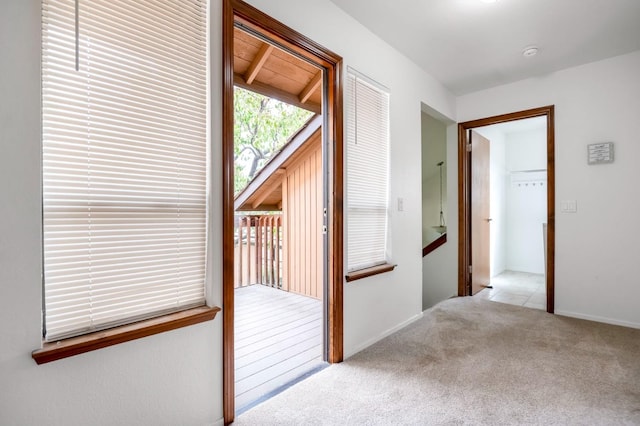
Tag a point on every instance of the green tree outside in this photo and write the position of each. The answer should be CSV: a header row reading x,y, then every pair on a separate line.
x,y
262,126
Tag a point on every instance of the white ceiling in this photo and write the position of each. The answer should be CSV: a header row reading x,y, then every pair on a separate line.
x,y
469,45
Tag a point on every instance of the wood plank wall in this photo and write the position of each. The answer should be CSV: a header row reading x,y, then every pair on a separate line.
x,y
302,227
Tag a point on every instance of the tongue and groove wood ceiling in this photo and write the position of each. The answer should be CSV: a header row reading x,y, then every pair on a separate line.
x,y
268,70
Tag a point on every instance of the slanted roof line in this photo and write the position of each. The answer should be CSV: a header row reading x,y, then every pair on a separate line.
x,y
296,142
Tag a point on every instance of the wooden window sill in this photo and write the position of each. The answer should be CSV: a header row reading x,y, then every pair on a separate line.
x,y
368,272
53,351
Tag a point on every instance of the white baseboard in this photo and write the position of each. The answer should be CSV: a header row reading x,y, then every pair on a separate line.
x,y
219,422
597,319
382,335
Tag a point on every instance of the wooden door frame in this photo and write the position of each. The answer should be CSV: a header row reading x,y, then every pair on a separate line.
x,y
464,196
237,10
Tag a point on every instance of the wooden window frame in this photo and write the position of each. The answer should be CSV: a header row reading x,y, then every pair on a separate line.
x,y
379,94
135,329
369,272
54,351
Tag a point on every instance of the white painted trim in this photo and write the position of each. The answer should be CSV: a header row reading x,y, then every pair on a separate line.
x,y
383,335
219,422
598,319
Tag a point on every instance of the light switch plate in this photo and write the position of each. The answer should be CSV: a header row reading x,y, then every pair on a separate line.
x,y
569,206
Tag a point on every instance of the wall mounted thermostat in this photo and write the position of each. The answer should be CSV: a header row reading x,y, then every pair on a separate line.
x,y
600,153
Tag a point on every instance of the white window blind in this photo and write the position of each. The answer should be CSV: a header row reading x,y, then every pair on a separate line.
x,y
367,172
124,100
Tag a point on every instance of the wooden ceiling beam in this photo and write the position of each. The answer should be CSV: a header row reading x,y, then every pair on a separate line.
x,y
272,92
311,87
258,62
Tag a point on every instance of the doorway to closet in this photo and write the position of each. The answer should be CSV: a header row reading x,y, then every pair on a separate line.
x,y
516,210
507,208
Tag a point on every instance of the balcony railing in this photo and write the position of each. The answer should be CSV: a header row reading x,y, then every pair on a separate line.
x,y
258,250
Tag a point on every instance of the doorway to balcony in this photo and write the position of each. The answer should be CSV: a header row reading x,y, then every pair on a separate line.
x,y
282,232
279,262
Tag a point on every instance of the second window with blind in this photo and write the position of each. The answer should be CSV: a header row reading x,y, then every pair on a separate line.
x,y
124,129
367,141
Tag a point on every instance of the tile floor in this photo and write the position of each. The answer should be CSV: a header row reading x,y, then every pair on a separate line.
x,y
517,288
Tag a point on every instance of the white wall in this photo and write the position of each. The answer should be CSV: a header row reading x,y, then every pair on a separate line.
x,y
517,212
431,207
176,377
596,248
438,280
440,267
375,306
434,150
526,150
526,204
167,379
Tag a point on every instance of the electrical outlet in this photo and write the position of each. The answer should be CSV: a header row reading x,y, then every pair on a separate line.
x,y
400,204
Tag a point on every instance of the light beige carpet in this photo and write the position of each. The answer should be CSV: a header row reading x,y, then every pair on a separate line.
x,y
473,361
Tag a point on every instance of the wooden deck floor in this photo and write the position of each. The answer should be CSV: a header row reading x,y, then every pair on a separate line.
x,y
278,338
